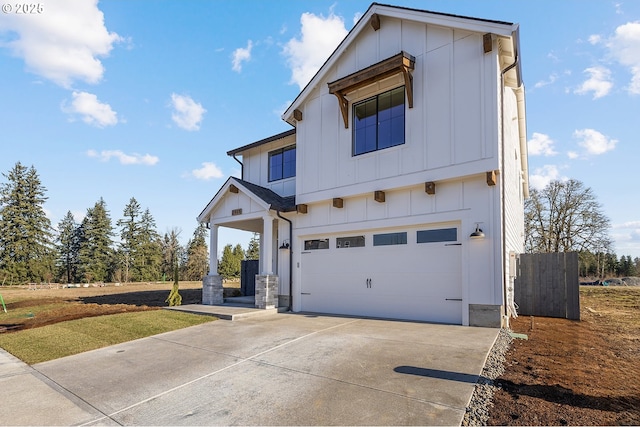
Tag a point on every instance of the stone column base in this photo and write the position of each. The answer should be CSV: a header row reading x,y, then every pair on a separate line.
x,y
212,292
266,291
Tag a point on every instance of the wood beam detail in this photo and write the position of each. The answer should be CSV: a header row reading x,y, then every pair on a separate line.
x,y
338,202
401,63
487,43
430,188
378,196
233,189
375,22
491,178
297,114
302,208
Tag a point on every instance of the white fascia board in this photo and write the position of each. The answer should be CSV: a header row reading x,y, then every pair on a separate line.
x,y
222,193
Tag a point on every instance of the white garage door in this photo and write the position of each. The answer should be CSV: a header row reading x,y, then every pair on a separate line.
x,y
412,274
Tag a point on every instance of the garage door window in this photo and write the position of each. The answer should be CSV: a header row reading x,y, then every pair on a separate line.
x,y
390,239
438,235
350,242
316,244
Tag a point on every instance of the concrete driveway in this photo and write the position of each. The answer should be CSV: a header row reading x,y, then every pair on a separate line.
x,y
285,369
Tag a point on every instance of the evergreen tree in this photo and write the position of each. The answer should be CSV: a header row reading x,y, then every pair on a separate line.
x,y
197,264
227,266
26,254
253,250
171,252
129,238
68,245
95,251
149,258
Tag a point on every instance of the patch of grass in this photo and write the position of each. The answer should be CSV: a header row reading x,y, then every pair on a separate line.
x,y
77,336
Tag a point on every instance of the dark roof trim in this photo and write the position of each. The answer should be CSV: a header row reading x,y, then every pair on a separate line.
x,y
262,142
276,202
493,21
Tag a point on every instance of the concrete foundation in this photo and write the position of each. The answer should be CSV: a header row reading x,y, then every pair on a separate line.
x,y
485,315
212,292
266,291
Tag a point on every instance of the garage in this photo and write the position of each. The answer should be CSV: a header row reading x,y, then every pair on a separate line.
x,y
408,273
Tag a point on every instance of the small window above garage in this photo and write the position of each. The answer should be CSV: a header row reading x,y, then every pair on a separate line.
x,y
390,239
437,235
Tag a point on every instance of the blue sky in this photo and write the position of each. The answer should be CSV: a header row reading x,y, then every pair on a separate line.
x,y
143,99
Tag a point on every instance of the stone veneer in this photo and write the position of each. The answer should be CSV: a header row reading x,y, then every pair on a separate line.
x,y
266,291
212,292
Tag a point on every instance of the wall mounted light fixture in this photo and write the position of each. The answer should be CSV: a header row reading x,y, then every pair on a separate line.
x,y
478,233
285,244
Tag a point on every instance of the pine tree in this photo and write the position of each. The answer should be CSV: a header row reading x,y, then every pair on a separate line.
x,y
171,252
253,250
226,267
197,264
95,251
129,238
149,257
26,254
68,246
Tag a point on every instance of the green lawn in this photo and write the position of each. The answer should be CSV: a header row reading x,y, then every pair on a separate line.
x,y
77,336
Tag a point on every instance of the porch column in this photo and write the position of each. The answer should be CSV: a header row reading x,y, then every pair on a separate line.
x,y
212,290
266,281
213,250
266,245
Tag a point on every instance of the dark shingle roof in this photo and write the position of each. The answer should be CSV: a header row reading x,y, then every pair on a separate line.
x,y
277,202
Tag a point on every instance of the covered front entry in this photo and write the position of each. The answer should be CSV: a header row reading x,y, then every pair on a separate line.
x,y
410,273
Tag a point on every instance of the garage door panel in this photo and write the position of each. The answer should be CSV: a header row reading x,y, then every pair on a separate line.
x,y
405,281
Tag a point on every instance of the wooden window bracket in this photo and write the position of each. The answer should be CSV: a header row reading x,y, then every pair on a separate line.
x,y
401,63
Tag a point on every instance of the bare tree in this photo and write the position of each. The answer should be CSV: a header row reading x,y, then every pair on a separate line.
x,y
564,217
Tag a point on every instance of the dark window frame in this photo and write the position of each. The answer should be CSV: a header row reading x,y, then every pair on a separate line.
x,y
316,244
284,172
437,235
383,122
390,239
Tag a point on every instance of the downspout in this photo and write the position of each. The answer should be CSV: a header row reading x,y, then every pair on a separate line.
x,y
290,308
507,303
241,166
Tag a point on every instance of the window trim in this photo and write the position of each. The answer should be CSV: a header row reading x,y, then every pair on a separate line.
x,y
376,97
280,151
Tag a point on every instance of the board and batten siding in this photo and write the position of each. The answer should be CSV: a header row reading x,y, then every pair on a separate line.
x,y
256,167
451,131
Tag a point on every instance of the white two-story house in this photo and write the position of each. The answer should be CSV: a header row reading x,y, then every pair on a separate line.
x,y
398,192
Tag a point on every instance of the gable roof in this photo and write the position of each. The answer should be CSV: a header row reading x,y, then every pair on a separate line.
x,y
500,28
267,198
276,137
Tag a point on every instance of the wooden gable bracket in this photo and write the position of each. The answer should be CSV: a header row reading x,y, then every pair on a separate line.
x,y
297,114
338,202
487,42
375,22
302,208
401,63
491,178
378,196
430,188
233,189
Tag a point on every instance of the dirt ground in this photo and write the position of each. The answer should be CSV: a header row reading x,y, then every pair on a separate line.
x,y
583,372
45,306
566,373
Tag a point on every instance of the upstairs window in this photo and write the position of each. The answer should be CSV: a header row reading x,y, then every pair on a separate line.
x,y
379,122
282,163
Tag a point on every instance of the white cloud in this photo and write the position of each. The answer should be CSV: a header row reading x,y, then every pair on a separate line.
x,y
318,39
541,145
624,46
552,78
123,158
541,177
599,82
93,112
207,171
187,113
593,142
62,44
240,55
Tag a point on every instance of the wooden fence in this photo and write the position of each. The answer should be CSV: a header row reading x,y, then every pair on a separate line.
x,y
547,285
